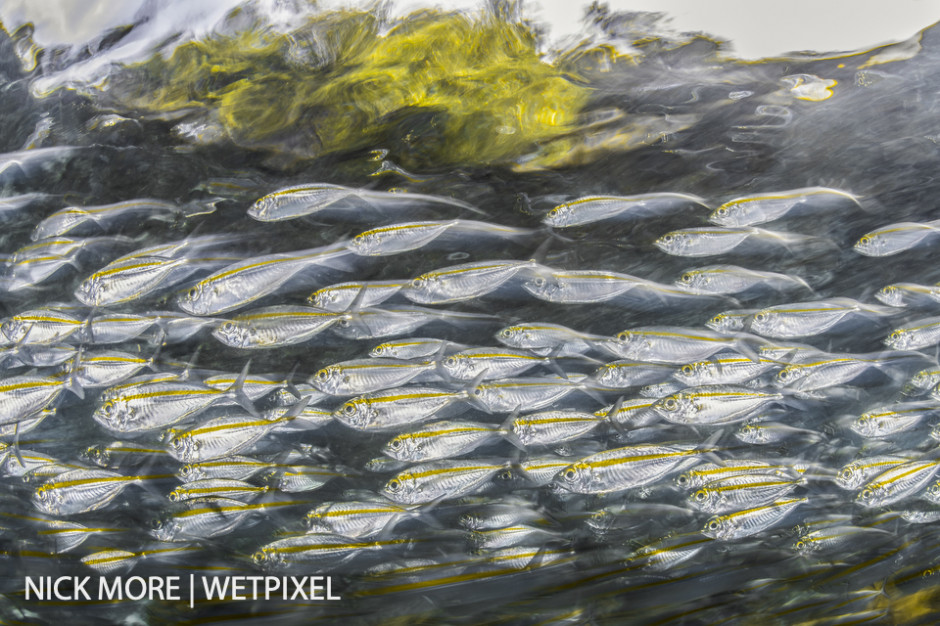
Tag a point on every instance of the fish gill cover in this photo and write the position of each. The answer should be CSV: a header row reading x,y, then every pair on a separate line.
x,y
484,327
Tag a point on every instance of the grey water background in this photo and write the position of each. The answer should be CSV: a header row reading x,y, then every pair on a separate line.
x,y
722,130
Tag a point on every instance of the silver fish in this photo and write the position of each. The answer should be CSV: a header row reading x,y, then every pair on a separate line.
x,y
463,282
398,238
766,207
74,218
544,339
244,282
750,521
918,334
805,319
590,209
275,326
304,200
732,279
340,297
628,467
708,241
360,376
440,440
896,238
427,482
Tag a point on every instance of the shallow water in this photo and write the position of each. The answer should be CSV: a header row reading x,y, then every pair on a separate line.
x,y
465,106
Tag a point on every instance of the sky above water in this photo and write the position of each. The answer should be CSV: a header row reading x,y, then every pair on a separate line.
x,y
757,29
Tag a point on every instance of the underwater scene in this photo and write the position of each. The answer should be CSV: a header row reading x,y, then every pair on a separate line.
x,y
343,315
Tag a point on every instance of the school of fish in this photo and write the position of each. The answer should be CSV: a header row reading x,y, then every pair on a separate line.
x,y
465,448
674,362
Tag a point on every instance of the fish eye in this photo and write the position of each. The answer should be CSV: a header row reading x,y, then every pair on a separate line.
x,y
682,480
416,283
478,392
865,240
228,326
623,336
701,496
193,293
846,474
671,405
553,212
783,374
800,545
323,375
760,317
505,475
687,278
687,369
450,361
667,238
539,282
570,474
505,333
395,444
722,211
173,496
394,485
866,494
713,525
349,409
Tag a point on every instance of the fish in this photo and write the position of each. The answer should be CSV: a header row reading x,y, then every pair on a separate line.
x,y
673,344
393,409
714,404
275,326
551,427
805,319
310,199
408,236
710,241
747,522
918,334
767,207
437,480
341,296
80,491
463,282
629,467
733,279
440,440
157,268
896,238
543,339
238,284
360,376
75,218
591,209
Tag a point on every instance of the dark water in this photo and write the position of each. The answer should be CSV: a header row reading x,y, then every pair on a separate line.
x,y
465,107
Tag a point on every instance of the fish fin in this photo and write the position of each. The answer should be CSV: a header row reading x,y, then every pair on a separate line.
x,y
541,253
237,391
187,372
505,430
289,382
71,384
741,346
16,445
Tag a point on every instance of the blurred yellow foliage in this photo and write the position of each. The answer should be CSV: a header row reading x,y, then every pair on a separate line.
x,y
435,89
